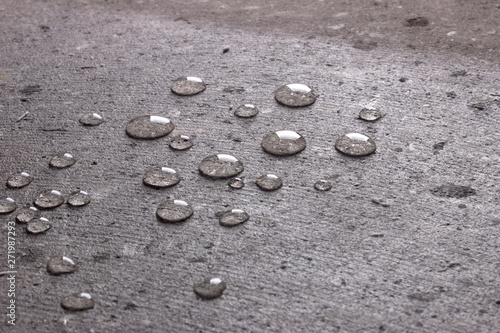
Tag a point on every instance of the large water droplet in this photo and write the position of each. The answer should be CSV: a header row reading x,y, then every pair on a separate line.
x,y
236,183
7,205
19,180
78,302
38,226
91,119
149,127
61,265
233,217
25,215
78,198
323,185
370,114
188,86
161,177
355,144
220,166
295,94
246,111
210,288
49,199
174,211
181,142
269,182
62,161
283,143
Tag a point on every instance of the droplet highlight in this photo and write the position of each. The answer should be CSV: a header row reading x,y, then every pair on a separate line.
x,y
323,185
161,177
7,205
370,114
91,119
49,199
189,85
355,144
78,199
174,211
181,142
78,302
37,226
18,180
295,95
246,111
220,166
61,265
269,182
149,127
283,143
233,217
62,161
210,288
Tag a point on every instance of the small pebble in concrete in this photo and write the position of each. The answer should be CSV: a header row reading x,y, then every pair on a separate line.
x,y
210,288
246,111
295,94
269,182
78,302
233,217
18,180
62,161
181,142
355,144
149,127
220,166
161,177
91,119
189,85
174,211
78,198
49,199
283,143
61,265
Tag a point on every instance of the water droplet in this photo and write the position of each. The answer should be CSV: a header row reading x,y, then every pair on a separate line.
x,y
246,111
161,177
78,302
25,215
190,85
62,161
149,127
181,142
269,182
295,94
78,198
91,119
220,166
283,143
49,199
355,144
323,185
210,288
19,180
233,217
7,205
38,226
453,191
174,211
370,114
236,183
61,265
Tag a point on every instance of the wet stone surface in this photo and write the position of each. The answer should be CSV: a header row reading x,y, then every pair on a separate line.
x,y
233,217
61,265
453,191
210,288
220,166
236,183
149,127
370,114
181,142
37,226
246,111
269,182
174,211
91,119
25,215
295,94
189,85
7,205
18,180
323,185
161,177
283,143
49,199
355,144
78,302
62,161
78,198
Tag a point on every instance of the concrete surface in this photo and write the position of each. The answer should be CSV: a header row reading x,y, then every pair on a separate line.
x,y
379,252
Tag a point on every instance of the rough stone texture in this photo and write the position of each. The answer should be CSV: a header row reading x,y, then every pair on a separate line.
x,y
334,261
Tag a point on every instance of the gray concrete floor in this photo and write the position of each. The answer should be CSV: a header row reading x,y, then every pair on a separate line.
x,y
337,261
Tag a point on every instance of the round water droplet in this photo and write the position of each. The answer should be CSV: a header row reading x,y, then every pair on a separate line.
x,y
220,166
283,143
161,177
233,217
210,288
62,161
49,199
78,198
61,265
78,302
38,226
355,144
323,185
295,94
246,111
181,142
19,180
190,85
149,127
370,114
236,183
269,182
174,211
25,215
91,119
7,205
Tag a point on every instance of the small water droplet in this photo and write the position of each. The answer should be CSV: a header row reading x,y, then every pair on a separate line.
x,y
210,288
78,302
78,198
62,161
49,199
91,119
190,85
283,143
181,142
61,265
370,114
269,182
149,127
355,144
7,205
18,180
233,217
295,94
220,166
323,185
236,183
174,211
161,177
246,111
25,215
37,226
